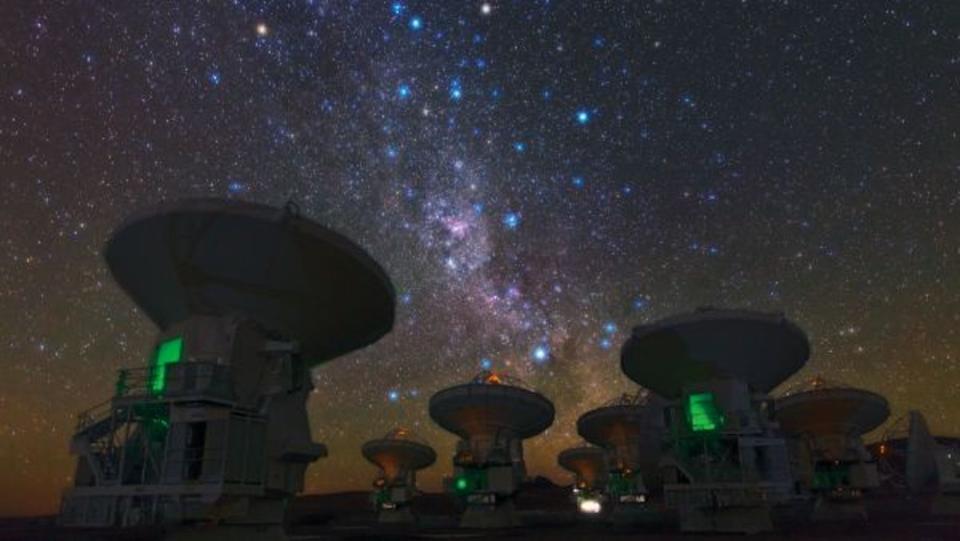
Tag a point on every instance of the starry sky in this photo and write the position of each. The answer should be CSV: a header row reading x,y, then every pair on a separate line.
x,y
536,176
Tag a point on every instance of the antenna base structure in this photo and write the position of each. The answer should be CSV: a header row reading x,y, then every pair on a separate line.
x,y
398,455
630,431
825,423
912,460
491,415
214,432
725,467
588,464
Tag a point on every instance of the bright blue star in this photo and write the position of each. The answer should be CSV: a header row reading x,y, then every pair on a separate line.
x,y
609,327
392,152
214,78
511,220
540,353
393,395
486,364
519,146
605,343
577,182
235,186
583,116
404,91
416,23
456,92
481,63
406,298
478,208
641,303
397,8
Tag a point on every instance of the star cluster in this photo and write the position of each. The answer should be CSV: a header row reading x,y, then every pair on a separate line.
x,y
537,177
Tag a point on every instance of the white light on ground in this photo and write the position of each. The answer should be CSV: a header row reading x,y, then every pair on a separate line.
x,y
590,506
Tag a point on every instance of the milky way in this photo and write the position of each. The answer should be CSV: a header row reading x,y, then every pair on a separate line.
x,y
537,177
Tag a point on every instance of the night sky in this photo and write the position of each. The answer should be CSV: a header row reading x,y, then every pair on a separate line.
x,y
536,177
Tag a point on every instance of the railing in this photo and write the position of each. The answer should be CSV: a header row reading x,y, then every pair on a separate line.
x,y
133,381
95,414
206,379
179,379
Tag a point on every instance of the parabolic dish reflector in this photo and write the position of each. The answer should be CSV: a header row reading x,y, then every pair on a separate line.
x,y
619,425
760,349
632,430
398,451
827,411
486,408
220,257
587,462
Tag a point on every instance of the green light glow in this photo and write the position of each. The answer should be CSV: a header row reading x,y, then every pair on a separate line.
x,y
462,484
702,413
830,476
619,483
168,352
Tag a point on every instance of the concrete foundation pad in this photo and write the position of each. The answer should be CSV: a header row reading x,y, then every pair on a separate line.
x,y
402,516
746,520
490,516
635,515
826,510
945,505
271,532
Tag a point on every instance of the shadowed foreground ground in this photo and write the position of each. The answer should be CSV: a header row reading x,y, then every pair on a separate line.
x,y
546,510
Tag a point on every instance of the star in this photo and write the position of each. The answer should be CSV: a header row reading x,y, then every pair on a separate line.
x,y
456,92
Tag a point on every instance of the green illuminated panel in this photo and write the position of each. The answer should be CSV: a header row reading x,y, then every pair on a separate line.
x,y
469,481
702,413
168,352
